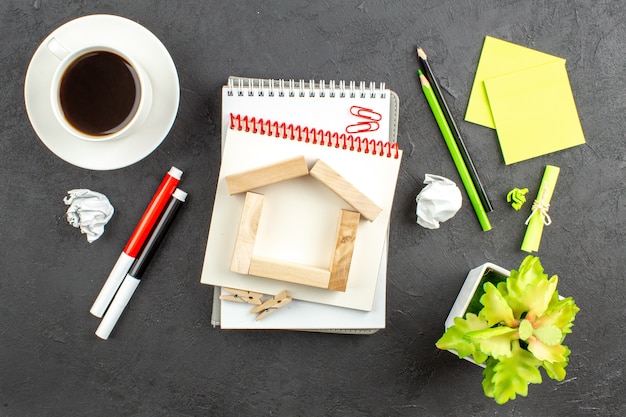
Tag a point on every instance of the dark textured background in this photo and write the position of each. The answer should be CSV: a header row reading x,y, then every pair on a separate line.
x,y
165,359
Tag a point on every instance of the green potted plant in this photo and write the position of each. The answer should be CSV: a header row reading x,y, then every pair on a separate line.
x,y
512,324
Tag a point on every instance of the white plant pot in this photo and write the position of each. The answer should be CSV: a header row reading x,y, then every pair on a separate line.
x,y
471,284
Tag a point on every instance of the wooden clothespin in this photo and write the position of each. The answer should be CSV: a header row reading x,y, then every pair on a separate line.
x,y
241,296
271,305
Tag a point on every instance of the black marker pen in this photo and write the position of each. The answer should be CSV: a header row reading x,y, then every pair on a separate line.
x,y
133,278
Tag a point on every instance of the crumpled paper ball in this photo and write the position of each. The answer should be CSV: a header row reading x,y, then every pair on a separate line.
x,y
88,210
437,202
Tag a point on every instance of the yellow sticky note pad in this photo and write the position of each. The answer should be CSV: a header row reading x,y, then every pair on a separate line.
x,y
526,96
534,111
499,58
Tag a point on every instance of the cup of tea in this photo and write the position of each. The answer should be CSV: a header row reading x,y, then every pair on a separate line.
x,y
98,92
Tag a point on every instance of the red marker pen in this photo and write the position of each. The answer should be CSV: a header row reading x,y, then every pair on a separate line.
x,y
133,278
136,241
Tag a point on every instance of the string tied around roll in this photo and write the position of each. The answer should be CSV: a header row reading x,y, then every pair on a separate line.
x,y
541,206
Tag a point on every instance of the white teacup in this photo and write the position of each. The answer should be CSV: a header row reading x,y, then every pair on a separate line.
x,y
98,92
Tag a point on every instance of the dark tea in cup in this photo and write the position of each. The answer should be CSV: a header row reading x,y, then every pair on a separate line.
x,y
99,93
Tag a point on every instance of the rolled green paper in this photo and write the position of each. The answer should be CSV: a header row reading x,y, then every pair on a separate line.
x,y
539,215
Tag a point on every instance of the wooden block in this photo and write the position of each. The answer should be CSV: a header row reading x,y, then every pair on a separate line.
x,y
290,272
349,193
342,257
246,235
266,175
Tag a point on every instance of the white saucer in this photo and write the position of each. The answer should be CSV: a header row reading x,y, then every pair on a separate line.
x,y
146,49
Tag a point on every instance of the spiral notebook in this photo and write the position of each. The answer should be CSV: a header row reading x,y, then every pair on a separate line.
x,y
307,316
357,116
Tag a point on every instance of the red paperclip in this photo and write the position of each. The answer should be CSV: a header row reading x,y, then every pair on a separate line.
x,y
365,113
361,127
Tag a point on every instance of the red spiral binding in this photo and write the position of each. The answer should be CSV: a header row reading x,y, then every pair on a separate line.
x,y
314,136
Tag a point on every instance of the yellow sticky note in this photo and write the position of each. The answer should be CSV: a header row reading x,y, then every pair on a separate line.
x,y
499,58
534,112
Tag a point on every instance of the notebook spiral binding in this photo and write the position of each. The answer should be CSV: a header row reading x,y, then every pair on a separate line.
x,y
302,88
314,136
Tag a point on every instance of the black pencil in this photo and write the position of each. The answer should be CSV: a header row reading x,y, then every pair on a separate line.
x,y
430,76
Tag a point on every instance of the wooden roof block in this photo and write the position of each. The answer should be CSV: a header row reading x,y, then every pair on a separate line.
x,y
344,189
266,175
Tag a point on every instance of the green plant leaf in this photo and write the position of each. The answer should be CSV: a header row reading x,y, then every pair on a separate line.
x,y
495,341
512,375
488,386
537,297
556,370
495,308
525,329
549,335
543,352
502,288
454,337
530,272
561,314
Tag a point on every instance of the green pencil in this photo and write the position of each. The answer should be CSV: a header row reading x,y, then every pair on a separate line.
x,y
470,188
